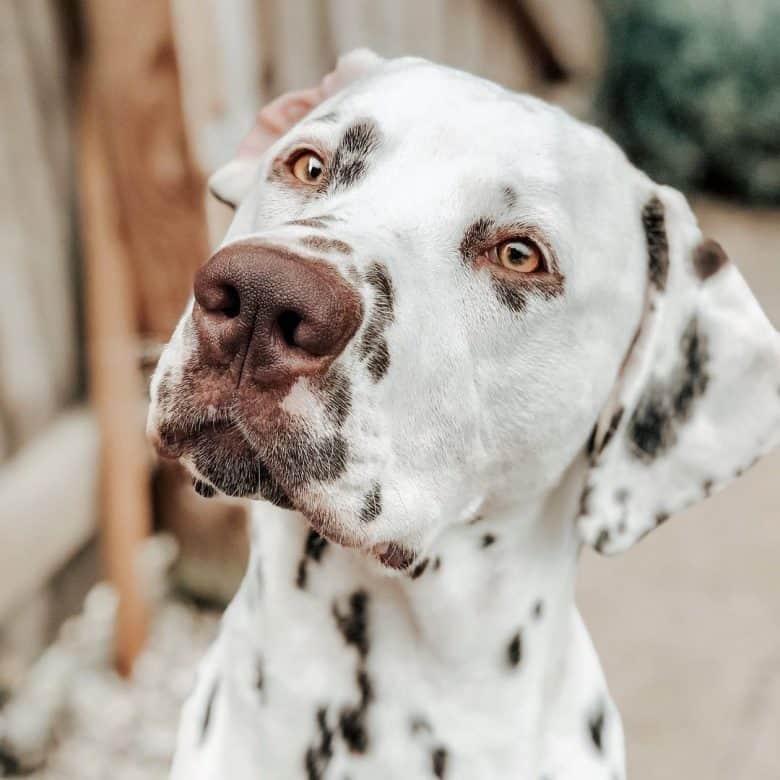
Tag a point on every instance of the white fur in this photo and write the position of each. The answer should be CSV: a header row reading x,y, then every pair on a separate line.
x,y
482,408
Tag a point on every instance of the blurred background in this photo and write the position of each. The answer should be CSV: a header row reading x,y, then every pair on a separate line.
x,y
112,114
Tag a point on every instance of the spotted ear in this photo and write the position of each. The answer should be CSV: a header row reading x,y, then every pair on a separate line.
x,y
698,397
231,183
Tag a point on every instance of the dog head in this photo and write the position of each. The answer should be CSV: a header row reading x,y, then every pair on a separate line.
x,y
432,290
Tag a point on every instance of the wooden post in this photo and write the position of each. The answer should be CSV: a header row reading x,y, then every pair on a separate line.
x,y
145,235
159,188
115,383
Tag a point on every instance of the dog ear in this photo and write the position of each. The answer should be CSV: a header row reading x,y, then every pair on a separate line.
x,y
231,183
698,396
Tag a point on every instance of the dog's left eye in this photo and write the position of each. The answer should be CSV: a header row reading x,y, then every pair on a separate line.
x,y
520,254
308,168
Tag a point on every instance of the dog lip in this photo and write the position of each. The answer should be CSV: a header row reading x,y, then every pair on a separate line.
x,y
166,447
394,555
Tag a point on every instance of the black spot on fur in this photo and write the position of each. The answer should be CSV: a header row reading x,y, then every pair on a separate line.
x,y
514,294
10,765
666,405
397,557
324,244
353,719
514,651
354,624
372,504
373,343
203,489
708,258
207,713
584,506
313,550
538,610
707,487
475,238
420,725
514,297
596,724
352,155
488,539
259,675
318,756
439,762
338,396
602,540
654,222
651,428
379,361
661,518
315,546
694,378
313,222
418,570
437,563
510,197
353,730
378,277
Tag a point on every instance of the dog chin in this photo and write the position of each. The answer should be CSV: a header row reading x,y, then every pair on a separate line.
x,y
238,478
220,459
248,477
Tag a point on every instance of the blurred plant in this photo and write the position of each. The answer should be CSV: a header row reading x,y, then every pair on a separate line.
x,y
692,92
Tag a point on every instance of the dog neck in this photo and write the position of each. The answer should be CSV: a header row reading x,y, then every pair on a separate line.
x,y
477,656
484,589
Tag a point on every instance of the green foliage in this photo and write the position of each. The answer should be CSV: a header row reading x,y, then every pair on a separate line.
x,y
692,91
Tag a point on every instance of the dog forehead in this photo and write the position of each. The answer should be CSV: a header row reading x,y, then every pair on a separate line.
x,y
445,131
440,113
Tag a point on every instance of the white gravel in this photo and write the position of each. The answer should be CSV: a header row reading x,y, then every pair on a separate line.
x,y
75,718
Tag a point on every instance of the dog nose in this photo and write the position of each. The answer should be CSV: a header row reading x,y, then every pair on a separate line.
x,y
286,315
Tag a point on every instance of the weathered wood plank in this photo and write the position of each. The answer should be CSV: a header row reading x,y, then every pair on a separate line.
x,y
48,511
115,383
37,320
159,188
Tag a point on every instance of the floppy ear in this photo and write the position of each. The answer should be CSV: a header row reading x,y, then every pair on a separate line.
x,y
698,397
232,181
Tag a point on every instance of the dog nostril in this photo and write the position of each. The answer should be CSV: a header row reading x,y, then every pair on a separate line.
x,y
230,301
219,299
288,322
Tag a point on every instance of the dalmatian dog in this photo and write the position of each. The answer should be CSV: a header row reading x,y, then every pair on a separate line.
x,y
451,337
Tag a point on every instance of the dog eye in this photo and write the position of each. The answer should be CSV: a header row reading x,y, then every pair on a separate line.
x,y
308,168
520,254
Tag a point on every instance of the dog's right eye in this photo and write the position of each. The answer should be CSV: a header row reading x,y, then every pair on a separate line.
x,y
308,168
519,254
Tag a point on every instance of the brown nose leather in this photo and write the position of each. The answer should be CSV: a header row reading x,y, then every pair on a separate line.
x,y
278,315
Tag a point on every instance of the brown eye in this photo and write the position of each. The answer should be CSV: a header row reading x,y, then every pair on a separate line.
x,y
520,254
308,168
